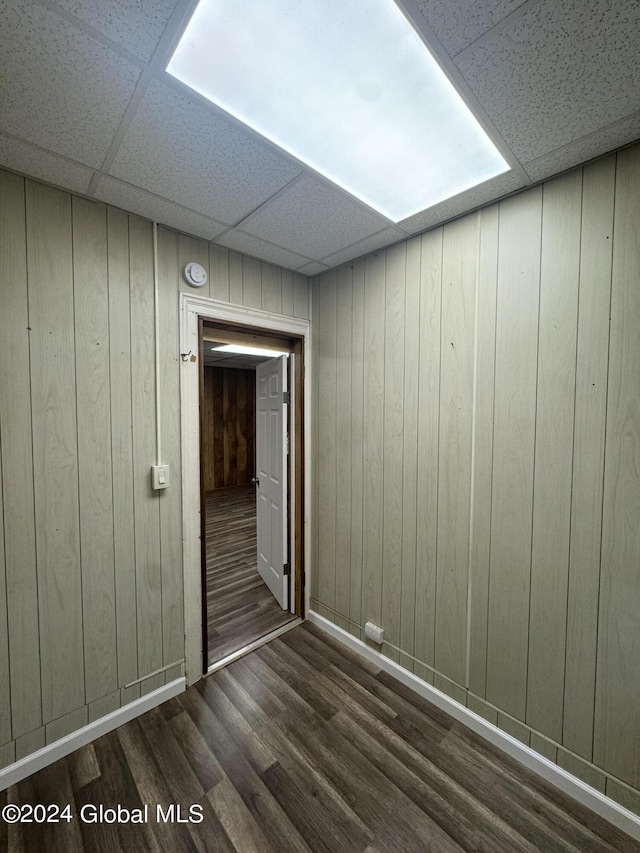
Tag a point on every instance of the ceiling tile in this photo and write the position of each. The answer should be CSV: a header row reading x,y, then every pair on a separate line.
x,y
59,88
601,142
136,25
250,245
459,24
470,199
376,241
159,209
181,149
32,161
558,72
315,219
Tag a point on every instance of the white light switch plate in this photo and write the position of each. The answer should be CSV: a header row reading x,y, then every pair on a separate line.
x,y
159,476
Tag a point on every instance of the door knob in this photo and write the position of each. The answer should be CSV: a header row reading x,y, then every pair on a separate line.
x,y
255,480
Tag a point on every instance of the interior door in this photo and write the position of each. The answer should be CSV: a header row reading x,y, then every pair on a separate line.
x,y
271,471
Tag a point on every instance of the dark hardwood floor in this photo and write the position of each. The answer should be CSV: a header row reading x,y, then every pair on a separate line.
x,y
303,746
240,608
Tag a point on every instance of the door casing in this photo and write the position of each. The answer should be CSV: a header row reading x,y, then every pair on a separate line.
x,y
192,309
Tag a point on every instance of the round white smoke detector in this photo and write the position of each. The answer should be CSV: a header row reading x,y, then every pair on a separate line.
x,y
195,274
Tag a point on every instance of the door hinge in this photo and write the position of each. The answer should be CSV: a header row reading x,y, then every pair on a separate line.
x,y
287,569
286,397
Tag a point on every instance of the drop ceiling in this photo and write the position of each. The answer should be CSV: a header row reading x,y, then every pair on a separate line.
x,y
86,104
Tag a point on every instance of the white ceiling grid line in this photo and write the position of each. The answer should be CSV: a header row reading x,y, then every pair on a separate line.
x,y
86,104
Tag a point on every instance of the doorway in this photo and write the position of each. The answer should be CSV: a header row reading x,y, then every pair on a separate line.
x,y
195,310
246,483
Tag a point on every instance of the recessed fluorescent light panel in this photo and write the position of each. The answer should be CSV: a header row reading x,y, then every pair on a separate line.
x,y
242,350
347,87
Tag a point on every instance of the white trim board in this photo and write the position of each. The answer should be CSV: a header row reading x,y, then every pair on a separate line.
x,y
81,737
591,798
193,306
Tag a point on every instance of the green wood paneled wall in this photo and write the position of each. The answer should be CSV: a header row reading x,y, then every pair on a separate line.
x,y
90,557
477,484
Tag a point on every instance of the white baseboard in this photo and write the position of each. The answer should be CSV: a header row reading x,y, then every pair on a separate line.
x,y
591,798
59,748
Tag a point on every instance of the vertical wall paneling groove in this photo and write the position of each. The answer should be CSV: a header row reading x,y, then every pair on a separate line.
x,y
251,283
91,320
146,507
357,453
5,683
410,447
122,449
427,473
218,272
588,454
55,448
327,380
170,500
374,303
271,288
343,443
459,254
514,442
393,445
617,721
480,533
17,461
559,274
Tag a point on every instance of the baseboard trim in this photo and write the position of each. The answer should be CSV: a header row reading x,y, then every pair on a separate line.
x,y
591,798
58,749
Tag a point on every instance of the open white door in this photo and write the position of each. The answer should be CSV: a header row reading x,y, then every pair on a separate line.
x,y
271,468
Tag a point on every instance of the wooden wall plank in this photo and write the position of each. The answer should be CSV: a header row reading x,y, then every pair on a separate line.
x,y
217,409
287,293
146,503
588,454
91,320
271,288
219,272
344,309
171,499
373,437
17,460
229,416
428,454
480,511
235,278
560,267
514,440
396,271
327,379
301,296
315,418
410,446
459,254
122,446
251,283
5,684
206,442
357,457
617,721
241,426
55,448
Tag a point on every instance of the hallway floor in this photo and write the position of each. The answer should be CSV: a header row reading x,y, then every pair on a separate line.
x,y
302,746
240,608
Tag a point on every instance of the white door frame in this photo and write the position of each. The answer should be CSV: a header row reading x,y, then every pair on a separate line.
x,y
192,307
